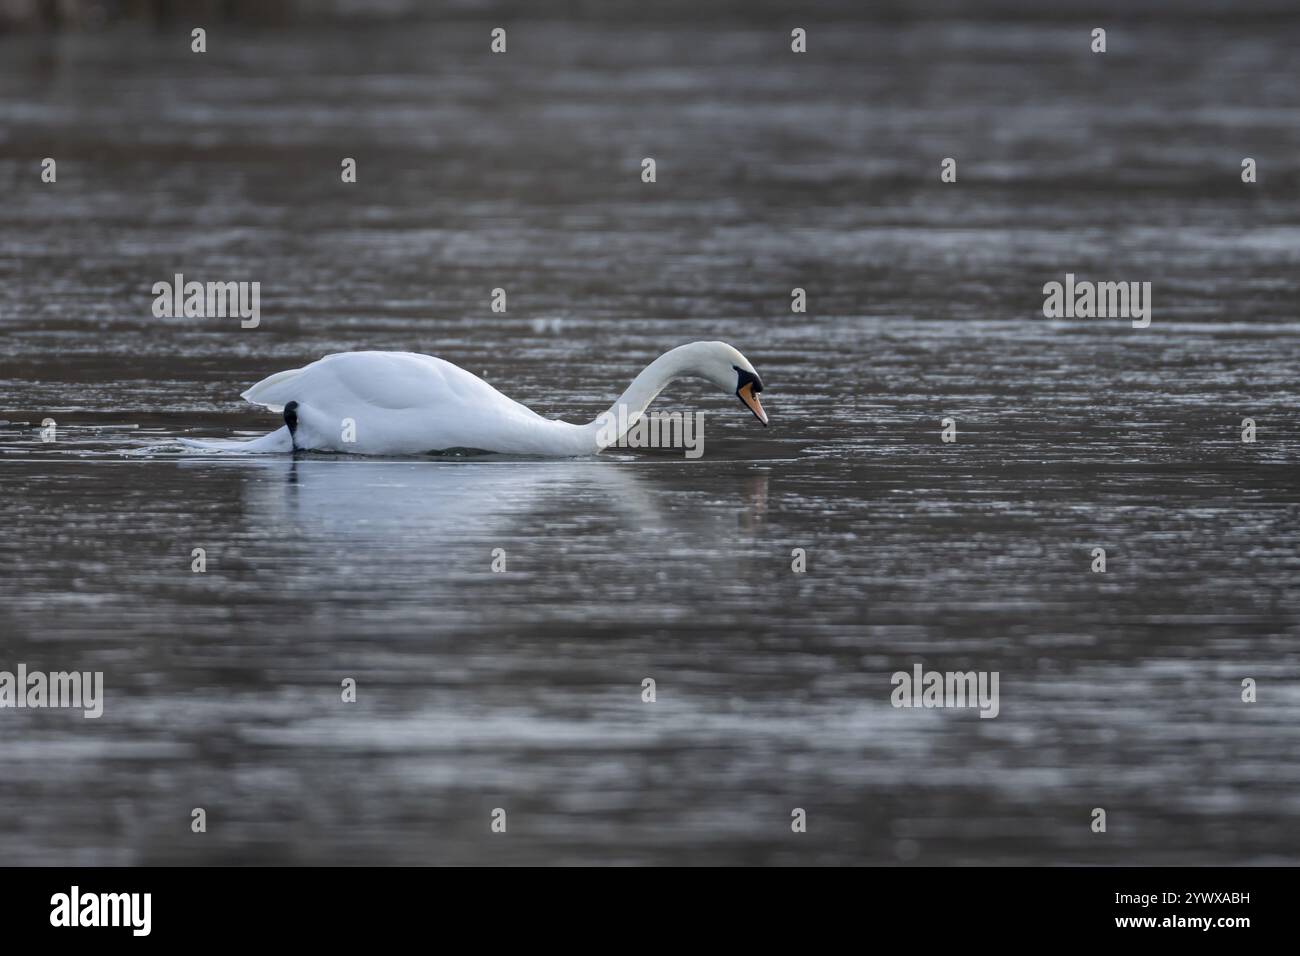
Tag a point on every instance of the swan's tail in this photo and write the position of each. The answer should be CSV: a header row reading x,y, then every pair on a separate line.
x,y
276,442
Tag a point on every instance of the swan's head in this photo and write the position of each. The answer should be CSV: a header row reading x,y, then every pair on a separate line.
x,y
729,370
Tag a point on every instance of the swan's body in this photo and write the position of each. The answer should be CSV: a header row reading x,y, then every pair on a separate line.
x,y
403,403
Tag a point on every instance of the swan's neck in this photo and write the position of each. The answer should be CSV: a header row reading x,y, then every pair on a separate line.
x,y
612,425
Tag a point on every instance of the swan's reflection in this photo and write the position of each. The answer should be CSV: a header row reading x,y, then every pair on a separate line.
x,y
438,500
403,504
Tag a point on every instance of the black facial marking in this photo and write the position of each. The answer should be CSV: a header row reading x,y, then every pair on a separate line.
x,y
745,378
748,379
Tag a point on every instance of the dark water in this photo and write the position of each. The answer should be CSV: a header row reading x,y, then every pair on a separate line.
x,y
522,690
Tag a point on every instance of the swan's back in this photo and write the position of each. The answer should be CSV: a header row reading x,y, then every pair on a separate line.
x,y
381,380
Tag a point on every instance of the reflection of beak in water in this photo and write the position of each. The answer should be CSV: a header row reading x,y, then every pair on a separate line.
x,y
756,495
401,499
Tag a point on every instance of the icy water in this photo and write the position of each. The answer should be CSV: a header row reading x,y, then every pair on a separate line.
x,y
522,690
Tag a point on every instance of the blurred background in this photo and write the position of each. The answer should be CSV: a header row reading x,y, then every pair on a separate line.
x,y
775,170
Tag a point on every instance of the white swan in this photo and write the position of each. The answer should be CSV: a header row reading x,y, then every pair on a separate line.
x,y
403,403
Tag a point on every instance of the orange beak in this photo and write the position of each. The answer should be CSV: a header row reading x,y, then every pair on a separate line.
x,y
751,401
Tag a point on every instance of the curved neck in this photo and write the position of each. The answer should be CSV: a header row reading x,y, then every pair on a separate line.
x,y
609,426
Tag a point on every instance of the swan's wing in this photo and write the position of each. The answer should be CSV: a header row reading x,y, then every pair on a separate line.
x,y
392,381
402,403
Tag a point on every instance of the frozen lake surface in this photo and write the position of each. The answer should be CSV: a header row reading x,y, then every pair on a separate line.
x,y
522,689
